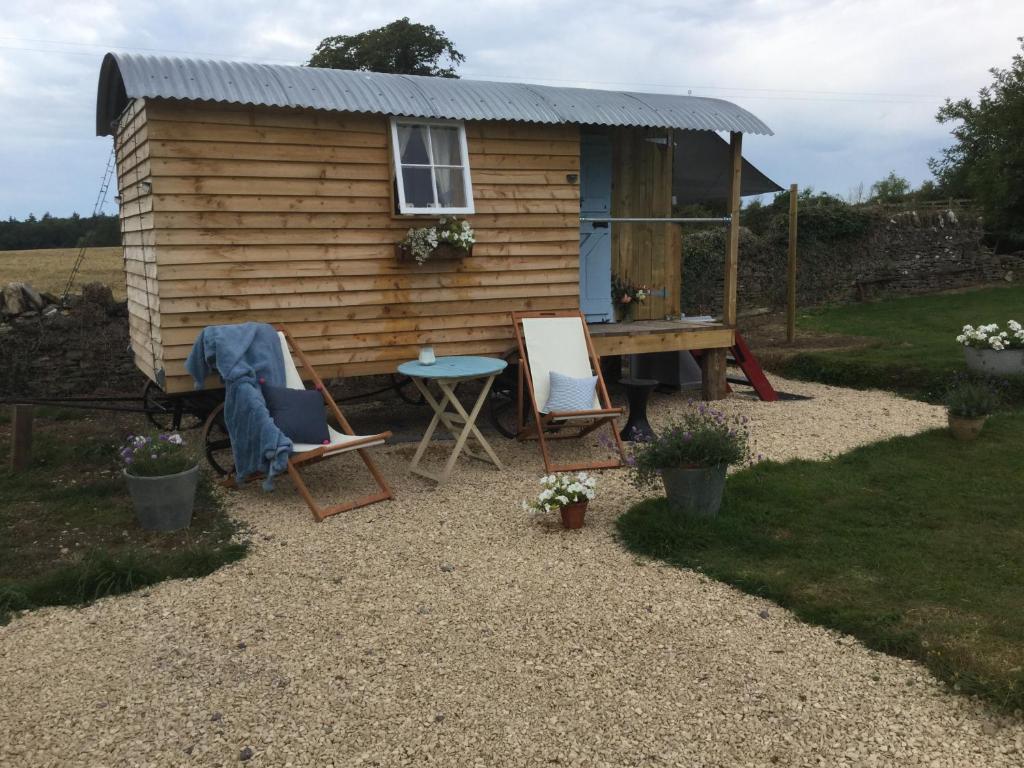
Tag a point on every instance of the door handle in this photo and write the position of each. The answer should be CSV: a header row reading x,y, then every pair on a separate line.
x,y
600,224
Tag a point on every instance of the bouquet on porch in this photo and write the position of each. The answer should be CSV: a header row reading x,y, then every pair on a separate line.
x,y
451,237
626,296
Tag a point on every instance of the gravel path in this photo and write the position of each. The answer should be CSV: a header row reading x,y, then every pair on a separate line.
x,y
449,628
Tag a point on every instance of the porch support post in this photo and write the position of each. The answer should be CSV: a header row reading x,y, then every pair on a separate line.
x,y
713,365
733,248
713,385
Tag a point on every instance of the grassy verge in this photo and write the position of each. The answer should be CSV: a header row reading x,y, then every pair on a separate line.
x,y
910,342
70,533
914,545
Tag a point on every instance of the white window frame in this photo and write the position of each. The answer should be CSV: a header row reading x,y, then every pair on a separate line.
x,y
396,155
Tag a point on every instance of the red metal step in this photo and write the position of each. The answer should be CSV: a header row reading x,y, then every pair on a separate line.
x,y
752,368
746,360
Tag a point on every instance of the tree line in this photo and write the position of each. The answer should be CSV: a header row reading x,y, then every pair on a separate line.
x,y
72,231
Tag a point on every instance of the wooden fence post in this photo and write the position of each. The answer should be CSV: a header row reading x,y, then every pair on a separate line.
x,y
791,269
21,437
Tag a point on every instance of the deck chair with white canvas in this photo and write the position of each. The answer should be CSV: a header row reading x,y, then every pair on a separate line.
x,y
339,442
560,376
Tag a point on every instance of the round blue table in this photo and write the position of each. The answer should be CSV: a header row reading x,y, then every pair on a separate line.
x,y
446,374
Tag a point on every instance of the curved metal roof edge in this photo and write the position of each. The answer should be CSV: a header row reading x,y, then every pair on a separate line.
x,y
126,76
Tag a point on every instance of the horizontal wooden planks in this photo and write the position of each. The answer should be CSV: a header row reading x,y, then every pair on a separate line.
x,y
133,157
353,316
257,304
329,255
285,216
697,338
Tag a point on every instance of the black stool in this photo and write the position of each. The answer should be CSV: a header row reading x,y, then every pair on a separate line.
x,y
637,392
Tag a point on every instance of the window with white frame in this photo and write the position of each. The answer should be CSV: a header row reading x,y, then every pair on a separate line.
x,y
431,166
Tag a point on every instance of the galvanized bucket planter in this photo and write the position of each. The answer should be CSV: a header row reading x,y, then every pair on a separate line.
x,y
164,503
694,491
991,362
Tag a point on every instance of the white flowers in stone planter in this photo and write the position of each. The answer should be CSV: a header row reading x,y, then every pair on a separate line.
x,y
992,337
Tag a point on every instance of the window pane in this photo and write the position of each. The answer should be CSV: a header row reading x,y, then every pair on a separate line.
x,y
451,190
445,143
418,186
412,142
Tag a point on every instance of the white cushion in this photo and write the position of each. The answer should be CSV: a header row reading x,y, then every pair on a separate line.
x,y
567,393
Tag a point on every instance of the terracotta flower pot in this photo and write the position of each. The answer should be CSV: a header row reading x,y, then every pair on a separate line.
x,y
966,429
572,514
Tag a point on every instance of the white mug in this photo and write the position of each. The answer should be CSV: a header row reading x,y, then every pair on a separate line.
x,y
427,356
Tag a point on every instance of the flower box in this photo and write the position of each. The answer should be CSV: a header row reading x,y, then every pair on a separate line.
x,y
443,252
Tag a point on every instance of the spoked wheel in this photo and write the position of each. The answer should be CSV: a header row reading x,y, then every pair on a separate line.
x,y
501,405
166,413
406,390
218,443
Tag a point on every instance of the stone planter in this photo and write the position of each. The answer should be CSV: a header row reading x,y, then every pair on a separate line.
x,y
966,429
164,503
573,514
694,491
1006,362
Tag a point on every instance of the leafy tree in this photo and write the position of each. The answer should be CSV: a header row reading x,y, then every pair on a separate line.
x,y
400,47
891,189
986,161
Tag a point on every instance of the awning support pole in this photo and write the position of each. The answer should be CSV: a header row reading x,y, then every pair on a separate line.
x,y
791,268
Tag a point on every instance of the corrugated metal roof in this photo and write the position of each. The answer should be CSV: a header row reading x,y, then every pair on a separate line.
x,y
130,76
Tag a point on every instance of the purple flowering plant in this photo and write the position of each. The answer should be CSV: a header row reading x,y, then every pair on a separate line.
x,y
156,454
702,437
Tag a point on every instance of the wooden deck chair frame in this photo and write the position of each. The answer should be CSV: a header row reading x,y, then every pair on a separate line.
x,y
582,422
360,445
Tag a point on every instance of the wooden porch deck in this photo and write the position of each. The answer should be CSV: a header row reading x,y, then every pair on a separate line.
x,y
643,336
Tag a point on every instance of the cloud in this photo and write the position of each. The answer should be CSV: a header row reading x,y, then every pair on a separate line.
x,y
850,88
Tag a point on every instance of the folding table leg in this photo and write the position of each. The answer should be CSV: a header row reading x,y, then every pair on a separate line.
x,y
470,422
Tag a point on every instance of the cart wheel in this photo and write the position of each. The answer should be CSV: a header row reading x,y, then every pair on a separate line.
x,y
406,390
162,411
501,405
218,443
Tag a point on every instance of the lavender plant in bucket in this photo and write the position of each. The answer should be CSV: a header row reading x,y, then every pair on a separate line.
x,y
162,477
691,458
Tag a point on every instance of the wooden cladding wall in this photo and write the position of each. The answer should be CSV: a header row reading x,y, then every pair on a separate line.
x,y
286,216
133,168
645,254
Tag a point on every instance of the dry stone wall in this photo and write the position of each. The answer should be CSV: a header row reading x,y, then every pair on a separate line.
x,y
900,253
52,352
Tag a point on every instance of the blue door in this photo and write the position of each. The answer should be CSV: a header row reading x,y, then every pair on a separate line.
x,y
595,237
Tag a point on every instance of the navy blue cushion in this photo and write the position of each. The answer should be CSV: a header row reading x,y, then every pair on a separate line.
x,y
299,413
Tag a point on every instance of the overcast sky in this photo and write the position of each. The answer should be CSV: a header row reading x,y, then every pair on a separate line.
x,y
849,87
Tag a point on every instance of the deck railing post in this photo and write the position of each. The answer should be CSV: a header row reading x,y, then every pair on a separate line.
x,y
21,437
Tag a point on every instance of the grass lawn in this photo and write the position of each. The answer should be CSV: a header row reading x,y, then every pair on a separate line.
x,y
48,269
915,545
69,530
910,342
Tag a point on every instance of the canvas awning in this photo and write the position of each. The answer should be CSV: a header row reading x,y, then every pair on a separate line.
x,y
701,170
